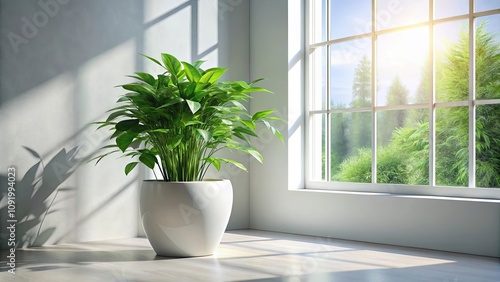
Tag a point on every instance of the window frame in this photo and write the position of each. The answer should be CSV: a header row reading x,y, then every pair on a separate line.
x,y
432,189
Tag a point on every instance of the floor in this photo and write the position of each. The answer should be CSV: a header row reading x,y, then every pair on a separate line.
x,y
249,255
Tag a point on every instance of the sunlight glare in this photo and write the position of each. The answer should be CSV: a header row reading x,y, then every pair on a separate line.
x,y
406,48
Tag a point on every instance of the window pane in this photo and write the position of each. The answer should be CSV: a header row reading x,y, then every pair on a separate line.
x,y
339,143
392,13
350,75
488,146
485,5
351,147
450,8
452,146
350,18
402,67
317,147
403,146
318,64
451,41
488,57
318,21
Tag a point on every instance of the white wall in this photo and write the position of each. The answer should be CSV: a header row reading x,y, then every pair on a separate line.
x,y
60,61
458,225
63,76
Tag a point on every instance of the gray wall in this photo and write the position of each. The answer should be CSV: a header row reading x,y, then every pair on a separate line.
x,y
59,63
276,201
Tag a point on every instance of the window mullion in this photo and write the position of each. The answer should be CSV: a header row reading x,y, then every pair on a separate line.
x,y
472,96
328,99
374,92
432,102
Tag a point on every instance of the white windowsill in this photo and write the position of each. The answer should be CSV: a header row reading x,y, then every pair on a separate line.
x,y
402,195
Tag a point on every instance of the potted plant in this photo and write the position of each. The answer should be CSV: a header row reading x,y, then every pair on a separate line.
x,y
175,123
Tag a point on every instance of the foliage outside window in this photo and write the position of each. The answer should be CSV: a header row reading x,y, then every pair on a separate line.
x,y
404,92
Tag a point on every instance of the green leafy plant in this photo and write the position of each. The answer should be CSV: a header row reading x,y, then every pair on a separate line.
x,y
178,120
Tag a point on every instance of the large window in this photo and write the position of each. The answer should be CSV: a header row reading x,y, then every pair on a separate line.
x,y
403,92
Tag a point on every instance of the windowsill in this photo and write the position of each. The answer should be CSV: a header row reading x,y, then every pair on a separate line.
x,y
397,195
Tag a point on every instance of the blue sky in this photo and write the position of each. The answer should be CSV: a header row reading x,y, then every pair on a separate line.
x,y
401,53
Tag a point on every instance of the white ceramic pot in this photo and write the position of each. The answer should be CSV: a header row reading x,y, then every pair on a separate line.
x,y
185,219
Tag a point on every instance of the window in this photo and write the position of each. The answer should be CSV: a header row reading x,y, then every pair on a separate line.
x,y
392,100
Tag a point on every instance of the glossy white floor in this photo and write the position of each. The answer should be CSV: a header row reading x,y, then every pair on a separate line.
x,y
249,255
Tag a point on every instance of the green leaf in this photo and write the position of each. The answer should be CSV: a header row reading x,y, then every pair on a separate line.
x,y
192,122
199,93
193,106
198,63
256,155
256,89
245,130
154,60
243,84
204,134
278,134
214,161
242,137
239,105
172,143
116,134
249,150
261,114
139,88
192,73
138,128
161,130
248,123
123,141
172,64
123,98
129,167
146,77
255,81
237,164
127,124
212,75
188,89
104,124
148,159
122,107
171,102
100,157
116,114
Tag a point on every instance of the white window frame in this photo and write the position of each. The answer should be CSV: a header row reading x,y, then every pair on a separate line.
x,y
432,189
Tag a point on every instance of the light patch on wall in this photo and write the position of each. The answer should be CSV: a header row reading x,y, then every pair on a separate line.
x,y
207,26
42,113
106,196
294,28
170,35
211,59
154,9
98,78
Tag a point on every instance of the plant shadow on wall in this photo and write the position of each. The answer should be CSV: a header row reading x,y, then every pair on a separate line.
x,y
35,194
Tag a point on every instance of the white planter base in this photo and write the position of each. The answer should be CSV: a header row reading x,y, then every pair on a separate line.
x,y
185,219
